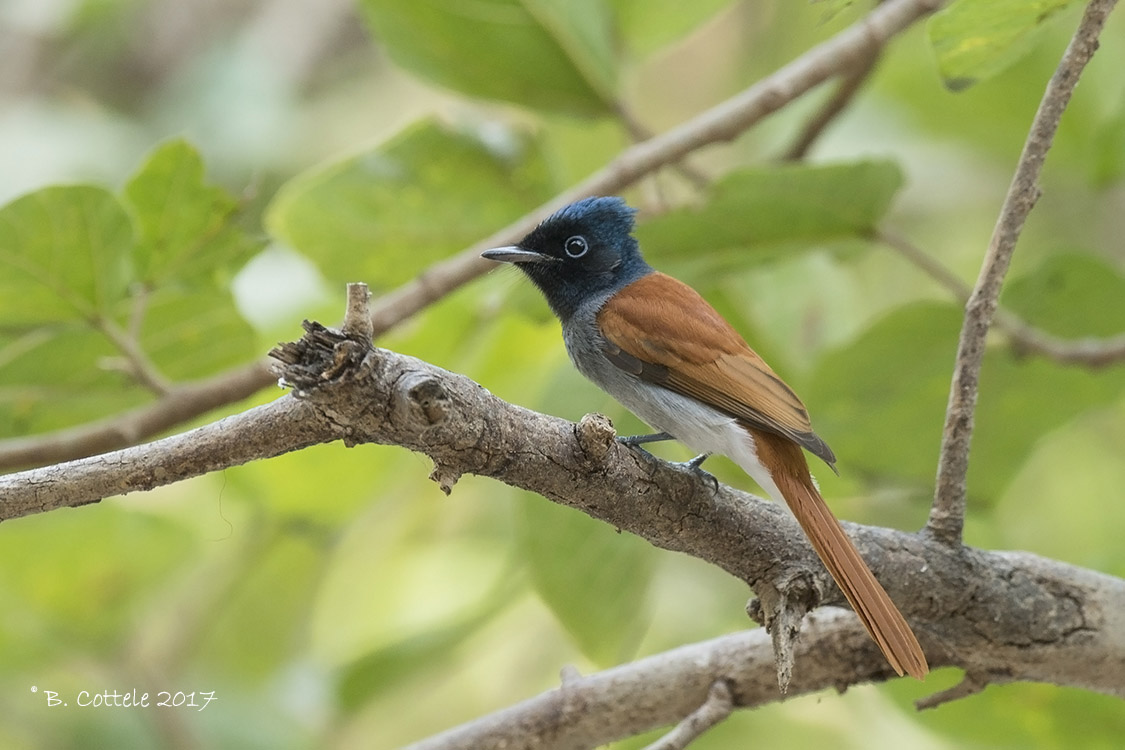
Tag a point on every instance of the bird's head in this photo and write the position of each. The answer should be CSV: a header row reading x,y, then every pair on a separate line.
x,y
581,252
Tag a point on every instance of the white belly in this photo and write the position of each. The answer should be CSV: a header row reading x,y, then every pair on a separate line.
x,y
699,427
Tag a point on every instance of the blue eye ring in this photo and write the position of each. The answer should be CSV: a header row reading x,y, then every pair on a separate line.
x,y
576,246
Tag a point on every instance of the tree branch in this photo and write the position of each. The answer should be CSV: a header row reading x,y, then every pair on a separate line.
x,y
845,92
184,402
717,707
663,688
723,122
947,515
1024,337
987,612
136,363
261,432
1090,352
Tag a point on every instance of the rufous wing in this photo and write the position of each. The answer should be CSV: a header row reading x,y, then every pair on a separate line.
x,y
662,331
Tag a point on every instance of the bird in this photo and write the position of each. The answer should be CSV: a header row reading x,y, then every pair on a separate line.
x,y
655,345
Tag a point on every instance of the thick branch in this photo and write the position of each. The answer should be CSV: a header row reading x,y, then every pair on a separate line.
x,y
947,516
720,123
661,689
985,612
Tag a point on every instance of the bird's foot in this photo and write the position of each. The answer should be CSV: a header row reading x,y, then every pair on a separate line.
x,y
636,441
695,465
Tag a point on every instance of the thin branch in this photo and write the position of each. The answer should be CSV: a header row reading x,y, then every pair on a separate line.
x,y
262,432
947,515
970,684
140,309
845,92
137,364
720,123
717,707
639,132
1024,337
930,265
185,402
1090,352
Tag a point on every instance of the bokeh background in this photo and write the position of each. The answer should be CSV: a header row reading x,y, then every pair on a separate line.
x,y
334,597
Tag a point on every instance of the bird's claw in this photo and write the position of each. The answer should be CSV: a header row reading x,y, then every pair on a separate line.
x,y
695,465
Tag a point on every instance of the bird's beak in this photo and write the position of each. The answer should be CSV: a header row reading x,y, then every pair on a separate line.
x,y
514,254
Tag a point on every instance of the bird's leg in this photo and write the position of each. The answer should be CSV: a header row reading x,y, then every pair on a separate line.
x,y
696,462
695,465
634,440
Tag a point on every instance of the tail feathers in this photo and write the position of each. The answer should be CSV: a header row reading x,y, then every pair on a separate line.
x,y
868,598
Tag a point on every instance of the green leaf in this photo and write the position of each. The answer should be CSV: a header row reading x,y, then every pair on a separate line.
x,y
193,333
54,376
1108,147
976,39
185,226
64,254
882,397
1069,295
549,54
277,583
90,571
384,215
648,25
799,203
594,579
385,668
69,266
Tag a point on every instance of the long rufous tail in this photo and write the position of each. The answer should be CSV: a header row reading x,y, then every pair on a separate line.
x,y
886,625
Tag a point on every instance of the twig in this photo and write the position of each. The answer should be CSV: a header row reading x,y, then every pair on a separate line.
x,y
717,707
357,317
970,684
1089,352
929,264
848,87
947,515
183,403
723,122
638,132
137,364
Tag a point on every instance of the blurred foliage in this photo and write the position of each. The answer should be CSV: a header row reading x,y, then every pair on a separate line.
x,y
976,39
176,171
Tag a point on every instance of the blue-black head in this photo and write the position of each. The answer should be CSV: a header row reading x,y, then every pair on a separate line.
x,y
585,250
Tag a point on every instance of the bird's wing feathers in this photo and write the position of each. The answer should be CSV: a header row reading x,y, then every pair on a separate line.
x,y
698,354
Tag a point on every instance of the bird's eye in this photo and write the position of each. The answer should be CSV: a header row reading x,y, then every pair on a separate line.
x,y
576,246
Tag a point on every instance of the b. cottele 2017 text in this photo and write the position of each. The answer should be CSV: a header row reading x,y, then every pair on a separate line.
x,y
132,699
